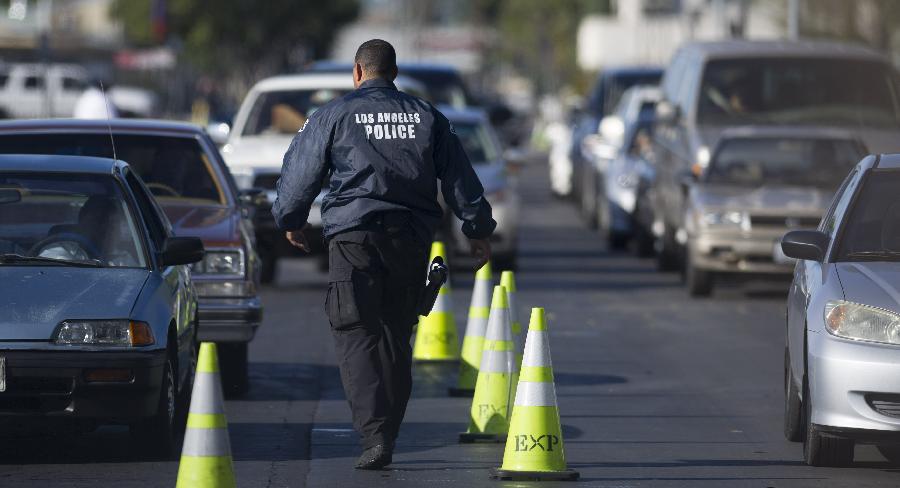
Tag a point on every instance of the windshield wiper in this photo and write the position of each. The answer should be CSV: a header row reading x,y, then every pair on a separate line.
x,y
884,254
18,258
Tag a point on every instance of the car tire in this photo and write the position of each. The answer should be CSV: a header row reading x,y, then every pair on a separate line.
x,y
699,282
793,407
891,452
821,450
667,252
158,435
234,366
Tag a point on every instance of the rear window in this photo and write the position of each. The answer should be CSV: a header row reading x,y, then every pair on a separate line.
x,y
837,92
609,90
285,112
175,169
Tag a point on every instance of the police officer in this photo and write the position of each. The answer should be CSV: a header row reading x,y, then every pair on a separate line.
x,y
384,152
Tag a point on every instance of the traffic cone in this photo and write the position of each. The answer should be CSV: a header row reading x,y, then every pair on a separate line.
x,y
534,447
436,338
497,377
206,453
476,326
508,281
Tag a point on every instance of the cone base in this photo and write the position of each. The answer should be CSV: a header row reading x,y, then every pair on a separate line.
x,y
471,438
508,475
461,392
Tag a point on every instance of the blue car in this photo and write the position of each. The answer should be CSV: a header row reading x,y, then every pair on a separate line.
x,y
99,317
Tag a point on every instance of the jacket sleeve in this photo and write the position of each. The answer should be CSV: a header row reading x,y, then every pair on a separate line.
x,y
459,184
305,165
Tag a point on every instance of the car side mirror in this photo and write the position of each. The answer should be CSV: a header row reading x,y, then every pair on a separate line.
x,y
182,250
253,197
810,245
667,112
219,132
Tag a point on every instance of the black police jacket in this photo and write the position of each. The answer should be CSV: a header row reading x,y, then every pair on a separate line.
x,y
385,151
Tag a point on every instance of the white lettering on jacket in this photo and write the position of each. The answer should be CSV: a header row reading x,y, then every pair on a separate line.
x,y
388,125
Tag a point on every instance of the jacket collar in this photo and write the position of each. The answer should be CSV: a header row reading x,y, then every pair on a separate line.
x,y
378,83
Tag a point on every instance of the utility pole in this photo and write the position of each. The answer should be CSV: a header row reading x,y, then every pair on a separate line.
x,y
794,19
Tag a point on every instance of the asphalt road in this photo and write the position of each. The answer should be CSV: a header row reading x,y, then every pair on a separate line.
x,y
655,389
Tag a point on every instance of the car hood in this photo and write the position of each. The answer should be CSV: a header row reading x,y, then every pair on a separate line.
x,y
783,200
34,299
257,151
216,226
871,283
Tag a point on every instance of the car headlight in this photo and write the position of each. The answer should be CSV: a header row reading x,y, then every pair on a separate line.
x,y
734,219
861,322
224,288
221,262
104,333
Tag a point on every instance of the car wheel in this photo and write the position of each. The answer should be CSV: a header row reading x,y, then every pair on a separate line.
x,y
793,408
666,252
158,435
643,242
699,282
235,381
819,449
891,452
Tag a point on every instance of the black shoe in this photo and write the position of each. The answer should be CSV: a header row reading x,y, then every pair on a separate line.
x,y
375,457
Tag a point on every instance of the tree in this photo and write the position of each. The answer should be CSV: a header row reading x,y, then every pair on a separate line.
x,y
241,36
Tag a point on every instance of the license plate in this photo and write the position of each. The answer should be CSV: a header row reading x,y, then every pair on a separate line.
x,y
2,374
778,255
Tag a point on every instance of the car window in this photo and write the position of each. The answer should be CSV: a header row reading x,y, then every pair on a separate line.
x,y
73,84
284,112
795,91
871,228
758,161
155,225
175,169
479,144
71,217
34,82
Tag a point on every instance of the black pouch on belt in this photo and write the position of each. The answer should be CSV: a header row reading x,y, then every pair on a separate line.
x,y
437,276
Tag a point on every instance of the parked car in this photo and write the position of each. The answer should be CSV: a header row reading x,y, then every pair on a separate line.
x,y
612,176
99,317
186,175
760,183
603,99
500,188
271,114
842,361
711,86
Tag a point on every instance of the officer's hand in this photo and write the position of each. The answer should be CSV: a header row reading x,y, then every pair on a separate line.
x,y
481,249
298,239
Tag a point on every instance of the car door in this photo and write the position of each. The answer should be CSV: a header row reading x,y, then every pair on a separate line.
x,y
176,279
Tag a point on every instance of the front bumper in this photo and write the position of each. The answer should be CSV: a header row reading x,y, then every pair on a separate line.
x,y
50,381
853,385
738,252
228,319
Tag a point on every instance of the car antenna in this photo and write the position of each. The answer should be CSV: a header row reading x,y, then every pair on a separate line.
x,y
112,141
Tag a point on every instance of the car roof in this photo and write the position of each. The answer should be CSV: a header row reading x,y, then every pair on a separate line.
x,y
467,115
786,131
100,125
778,48
323,80
40,163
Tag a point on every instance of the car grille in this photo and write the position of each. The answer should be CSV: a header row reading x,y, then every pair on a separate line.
x,y
781,221
888,405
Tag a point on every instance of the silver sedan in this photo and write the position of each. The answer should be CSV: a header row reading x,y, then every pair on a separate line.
x,y
842,357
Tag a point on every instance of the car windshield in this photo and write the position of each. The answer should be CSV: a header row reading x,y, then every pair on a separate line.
x,y
794,91
872,229
479,144
285,112
820,163
176,169
66,219
444,87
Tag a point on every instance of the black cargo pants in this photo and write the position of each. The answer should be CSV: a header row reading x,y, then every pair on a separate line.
x,y
376,274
